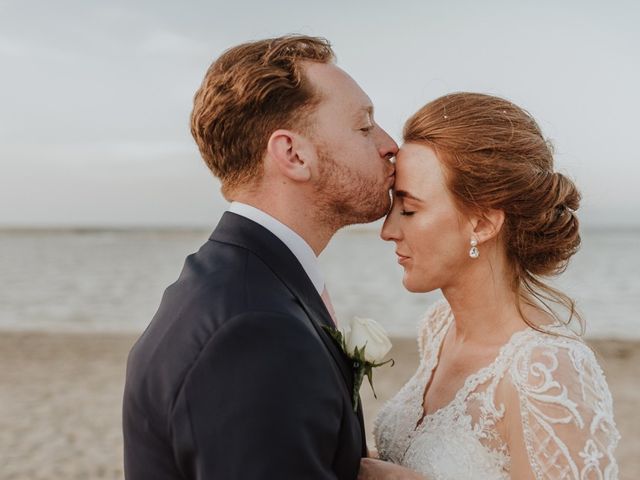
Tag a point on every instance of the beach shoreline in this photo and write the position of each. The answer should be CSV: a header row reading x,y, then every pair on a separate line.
x,y
61,397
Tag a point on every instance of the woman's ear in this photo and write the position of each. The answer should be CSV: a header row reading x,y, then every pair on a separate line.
x,y
488,225
290,154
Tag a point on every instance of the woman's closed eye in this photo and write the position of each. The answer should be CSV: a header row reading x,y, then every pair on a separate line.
x,y
406,213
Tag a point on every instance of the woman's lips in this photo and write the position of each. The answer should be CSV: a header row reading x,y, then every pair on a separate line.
x,y
401,258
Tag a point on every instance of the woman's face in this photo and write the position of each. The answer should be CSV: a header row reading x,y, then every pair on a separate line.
x,y
432,238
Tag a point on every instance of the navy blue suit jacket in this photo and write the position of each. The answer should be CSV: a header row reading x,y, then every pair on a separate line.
x,y
235,377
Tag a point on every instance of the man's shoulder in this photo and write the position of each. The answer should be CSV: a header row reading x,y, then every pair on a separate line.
x,y
221,287
220,262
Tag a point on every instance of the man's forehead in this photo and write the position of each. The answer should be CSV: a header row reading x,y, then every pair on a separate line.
x,y
320,72
331,81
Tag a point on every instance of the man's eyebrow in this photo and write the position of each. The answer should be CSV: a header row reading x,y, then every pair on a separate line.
x,y
405,194
367,109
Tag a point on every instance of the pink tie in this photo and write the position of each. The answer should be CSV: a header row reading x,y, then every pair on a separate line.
x,y
327,301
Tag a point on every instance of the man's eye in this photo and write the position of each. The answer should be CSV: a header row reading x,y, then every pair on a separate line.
x,y
366,129
406,213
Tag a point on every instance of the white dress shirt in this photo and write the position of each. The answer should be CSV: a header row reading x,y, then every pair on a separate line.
x,y
298,246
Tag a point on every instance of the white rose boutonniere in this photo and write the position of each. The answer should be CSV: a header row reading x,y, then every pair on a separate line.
x,y
366,343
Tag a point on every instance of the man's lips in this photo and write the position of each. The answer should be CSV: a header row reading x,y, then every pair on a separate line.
x,y
391,179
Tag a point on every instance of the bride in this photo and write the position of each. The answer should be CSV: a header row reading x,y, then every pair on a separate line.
x,y
504,388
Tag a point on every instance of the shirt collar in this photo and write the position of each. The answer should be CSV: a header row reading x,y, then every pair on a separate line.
x,y
298,246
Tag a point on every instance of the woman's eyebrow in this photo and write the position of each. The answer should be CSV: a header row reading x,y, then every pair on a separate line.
x,y
405,194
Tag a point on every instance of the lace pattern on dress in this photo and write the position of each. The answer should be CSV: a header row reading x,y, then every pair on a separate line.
x,y
564,405
566,410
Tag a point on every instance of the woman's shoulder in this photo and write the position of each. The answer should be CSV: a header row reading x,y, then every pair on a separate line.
x,y
558,356
552,341
558,399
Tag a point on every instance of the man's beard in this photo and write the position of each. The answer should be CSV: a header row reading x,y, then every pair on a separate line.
x,y
345,197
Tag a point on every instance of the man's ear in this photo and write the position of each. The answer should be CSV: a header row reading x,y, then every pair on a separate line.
x,y
290,154
488,225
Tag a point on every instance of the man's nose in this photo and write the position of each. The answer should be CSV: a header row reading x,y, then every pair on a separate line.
x,y
387,146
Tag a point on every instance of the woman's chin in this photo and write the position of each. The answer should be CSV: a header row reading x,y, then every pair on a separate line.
x,y
414,287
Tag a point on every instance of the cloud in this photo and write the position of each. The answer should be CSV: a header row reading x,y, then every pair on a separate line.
x,y
142,151
14,48
11,48
171,43
113,152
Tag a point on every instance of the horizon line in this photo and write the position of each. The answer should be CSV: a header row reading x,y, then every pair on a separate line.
x,y
124,228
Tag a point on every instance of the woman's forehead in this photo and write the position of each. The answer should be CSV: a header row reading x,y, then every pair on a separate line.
x,y
418,169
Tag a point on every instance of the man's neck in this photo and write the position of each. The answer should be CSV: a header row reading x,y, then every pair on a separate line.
x,y
296,216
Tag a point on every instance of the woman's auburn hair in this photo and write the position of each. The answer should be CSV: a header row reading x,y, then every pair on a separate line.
x,y
250,91
495,157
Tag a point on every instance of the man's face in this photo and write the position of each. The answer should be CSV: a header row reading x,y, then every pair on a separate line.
x,y
354,172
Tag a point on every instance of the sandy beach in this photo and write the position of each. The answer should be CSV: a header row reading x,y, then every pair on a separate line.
x,y
60,402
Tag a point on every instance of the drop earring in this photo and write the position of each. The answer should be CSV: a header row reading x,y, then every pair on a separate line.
x,y
474,252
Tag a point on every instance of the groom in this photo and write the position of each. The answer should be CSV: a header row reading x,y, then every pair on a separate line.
x,y
235,377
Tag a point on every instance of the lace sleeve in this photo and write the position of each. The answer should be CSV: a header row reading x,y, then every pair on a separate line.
x,y
562,424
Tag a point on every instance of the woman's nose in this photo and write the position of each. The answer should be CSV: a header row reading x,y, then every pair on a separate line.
x,y
389,232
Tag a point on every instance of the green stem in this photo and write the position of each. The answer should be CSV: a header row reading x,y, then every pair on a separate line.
x,y
358,377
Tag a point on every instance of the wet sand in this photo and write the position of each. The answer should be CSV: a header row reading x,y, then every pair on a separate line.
x,y
60,402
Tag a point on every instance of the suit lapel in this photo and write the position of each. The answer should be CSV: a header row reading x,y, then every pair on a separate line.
x,y
240,231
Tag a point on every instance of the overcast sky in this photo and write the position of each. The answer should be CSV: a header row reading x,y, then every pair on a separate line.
x,y
95,96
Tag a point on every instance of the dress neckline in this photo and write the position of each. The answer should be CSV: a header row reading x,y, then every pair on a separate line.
x,y
471,380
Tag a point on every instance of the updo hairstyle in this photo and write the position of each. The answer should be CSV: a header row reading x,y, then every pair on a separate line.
x,y
495,157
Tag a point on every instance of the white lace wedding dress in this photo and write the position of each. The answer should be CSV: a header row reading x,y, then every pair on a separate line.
x,y
565,409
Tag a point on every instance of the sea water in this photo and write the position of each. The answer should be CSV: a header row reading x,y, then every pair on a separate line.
x,y
112,280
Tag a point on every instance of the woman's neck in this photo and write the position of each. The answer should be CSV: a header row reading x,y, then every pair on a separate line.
x,y
484,306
